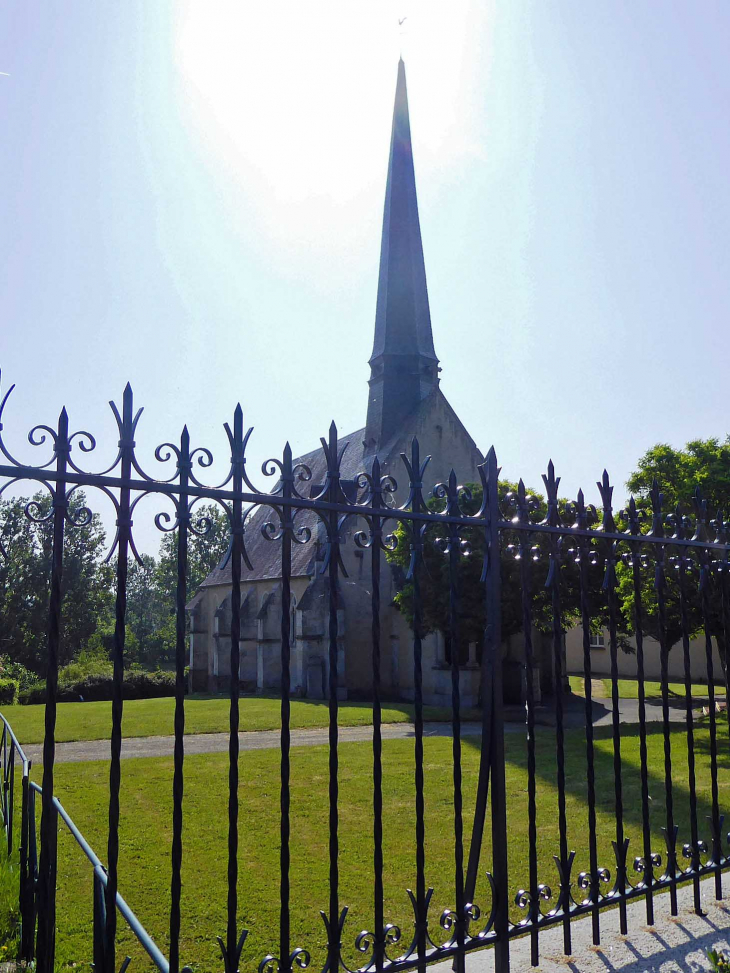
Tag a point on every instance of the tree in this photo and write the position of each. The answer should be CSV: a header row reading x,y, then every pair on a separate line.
x,y
703,463
25,571
152,585
205,552
148,615
435,582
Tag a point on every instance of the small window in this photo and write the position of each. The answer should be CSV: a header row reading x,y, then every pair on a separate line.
x,y
598,641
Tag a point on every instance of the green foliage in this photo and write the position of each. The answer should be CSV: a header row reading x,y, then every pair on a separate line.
x,y
704,463
435,582
87,664
16,671
88,591
720,961
9,905
99,686
150,621
25,574
204,553
8,692
152,586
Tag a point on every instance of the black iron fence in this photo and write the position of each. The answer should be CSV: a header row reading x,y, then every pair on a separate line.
x,y
554,546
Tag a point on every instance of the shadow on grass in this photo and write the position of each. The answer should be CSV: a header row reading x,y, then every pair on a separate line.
x,y
516,758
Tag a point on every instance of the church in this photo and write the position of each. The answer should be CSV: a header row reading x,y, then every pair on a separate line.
x,y
404,400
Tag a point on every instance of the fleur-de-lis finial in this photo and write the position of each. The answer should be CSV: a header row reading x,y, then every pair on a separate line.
x,y
581,512
720,526
657,500
376,487
633,517
452,496
415,470
606,491
679,521
552,483
702,532
522,514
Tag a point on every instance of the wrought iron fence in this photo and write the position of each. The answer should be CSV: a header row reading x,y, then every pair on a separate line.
x,y
544,543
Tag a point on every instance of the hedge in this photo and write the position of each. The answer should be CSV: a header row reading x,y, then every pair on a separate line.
x,y
8,692
137,685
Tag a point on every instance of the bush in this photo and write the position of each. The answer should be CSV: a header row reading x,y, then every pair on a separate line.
x,y
8,692
137,685
17,671
84,667
720,961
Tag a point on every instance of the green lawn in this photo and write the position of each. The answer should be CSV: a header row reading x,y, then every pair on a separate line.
x,y
154,717
9,911
146,836
629,689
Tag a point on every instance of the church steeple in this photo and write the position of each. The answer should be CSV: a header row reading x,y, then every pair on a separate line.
x,y
403,365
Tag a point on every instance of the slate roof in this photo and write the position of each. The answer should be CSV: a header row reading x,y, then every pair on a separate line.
x,y
265,555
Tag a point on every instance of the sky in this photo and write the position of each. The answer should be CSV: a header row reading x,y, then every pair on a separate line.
x,y
191,198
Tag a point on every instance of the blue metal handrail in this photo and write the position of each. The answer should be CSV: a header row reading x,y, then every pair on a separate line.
x,y
28,855
133,922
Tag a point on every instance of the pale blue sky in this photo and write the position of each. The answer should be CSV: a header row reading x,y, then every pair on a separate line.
x,y
192,195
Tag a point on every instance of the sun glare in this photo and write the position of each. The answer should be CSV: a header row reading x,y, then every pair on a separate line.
x,y
293,101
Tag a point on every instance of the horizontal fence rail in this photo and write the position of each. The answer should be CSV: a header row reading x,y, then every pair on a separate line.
x,y
534,557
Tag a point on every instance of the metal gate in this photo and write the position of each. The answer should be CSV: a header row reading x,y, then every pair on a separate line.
x,y
554,545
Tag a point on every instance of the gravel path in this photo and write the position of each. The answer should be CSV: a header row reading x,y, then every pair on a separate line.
x,y
163,746
252,740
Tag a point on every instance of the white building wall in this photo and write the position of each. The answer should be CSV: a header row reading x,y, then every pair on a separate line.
x,y
601,659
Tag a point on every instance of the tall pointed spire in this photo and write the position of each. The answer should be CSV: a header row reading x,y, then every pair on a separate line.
x,y
403,365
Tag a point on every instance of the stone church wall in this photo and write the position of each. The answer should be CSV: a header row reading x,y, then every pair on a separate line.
x,y
442,436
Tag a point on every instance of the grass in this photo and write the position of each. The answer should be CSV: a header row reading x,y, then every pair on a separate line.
x,y
146,835
629,689
9,911
154,717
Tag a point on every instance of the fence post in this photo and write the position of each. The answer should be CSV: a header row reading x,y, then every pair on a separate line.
x,y
183,518
49,822
493,648
26,894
